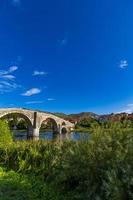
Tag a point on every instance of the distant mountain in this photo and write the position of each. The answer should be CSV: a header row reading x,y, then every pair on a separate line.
x,y
77,116
107,117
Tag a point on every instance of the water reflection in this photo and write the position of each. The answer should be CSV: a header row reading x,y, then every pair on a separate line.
x,y
75,136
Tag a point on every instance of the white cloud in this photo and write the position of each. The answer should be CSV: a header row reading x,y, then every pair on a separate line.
x,y
123,64
128,109
3,72
51,99
31,92
7,83
8,76
6,86
38,73
12,69
34,102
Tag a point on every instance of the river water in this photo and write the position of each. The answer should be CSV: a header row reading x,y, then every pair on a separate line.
x,y
75,136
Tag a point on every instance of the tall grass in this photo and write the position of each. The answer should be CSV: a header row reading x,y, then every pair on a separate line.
x,y
98,169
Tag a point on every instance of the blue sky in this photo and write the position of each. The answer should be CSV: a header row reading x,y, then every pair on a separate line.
x,y
67,56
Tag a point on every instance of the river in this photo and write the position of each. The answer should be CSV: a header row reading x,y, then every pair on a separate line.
x,y
74,136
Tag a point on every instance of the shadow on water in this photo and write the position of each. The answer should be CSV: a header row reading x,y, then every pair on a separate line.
x,y
49,136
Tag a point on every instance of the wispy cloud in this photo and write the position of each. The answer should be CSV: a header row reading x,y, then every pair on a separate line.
x,y
13,85
31,92
6,86
51,99
34,102
8,72
130,105
128,109
7,83
16,3
123,64
39,73
12,69
8,76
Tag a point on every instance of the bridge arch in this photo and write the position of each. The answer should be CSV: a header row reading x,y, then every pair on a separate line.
x,y
52,121
64,130
20,115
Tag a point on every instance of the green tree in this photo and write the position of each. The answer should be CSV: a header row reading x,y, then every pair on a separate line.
x,y
22,125
88,123
5,133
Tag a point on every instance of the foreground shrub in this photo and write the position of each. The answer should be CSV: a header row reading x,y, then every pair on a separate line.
x,y
98,169
14,186
5,134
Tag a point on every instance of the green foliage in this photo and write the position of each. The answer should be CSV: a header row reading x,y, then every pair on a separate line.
x,y
124,124
47,125
14,186
5,134
98,169
21,125
87,123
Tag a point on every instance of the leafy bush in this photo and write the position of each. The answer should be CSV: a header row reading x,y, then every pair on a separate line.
x,y
98,169
14,186
87,123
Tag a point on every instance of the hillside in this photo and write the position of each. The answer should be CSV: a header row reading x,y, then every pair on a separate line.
x,y
78,116
107,117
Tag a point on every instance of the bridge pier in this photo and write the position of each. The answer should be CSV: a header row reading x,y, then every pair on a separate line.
x,y
35,132
36,129
59,129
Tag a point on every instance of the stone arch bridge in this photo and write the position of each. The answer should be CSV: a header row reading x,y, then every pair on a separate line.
x,y
35,119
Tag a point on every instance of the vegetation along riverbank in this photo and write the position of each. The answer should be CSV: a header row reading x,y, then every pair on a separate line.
x,y
100,168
